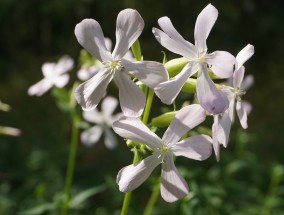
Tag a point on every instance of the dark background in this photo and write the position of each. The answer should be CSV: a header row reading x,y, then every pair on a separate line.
x,y
247,180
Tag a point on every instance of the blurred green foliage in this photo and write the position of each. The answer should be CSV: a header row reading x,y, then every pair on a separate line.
x,y
247,181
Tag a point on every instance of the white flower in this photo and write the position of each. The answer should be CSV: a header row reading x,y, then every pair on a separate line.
x,y
103,121
222,122
128,28
173,185
220,62
54,75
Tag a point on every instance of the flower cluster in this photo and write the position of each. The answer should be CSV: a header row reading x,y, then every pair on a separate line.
x,y
133,75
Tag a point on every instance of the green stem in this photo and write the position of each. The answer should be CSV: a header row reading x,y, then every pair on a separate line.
x,y
153,199
148,106
71,165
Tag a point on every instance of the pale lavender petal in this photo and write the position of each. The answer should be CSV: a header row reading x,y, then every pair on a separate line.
x,y
203,26
86,73
108,43
90,35
198,147
242,114
169,90
48,69
109,105
208,96
64,64
133,129
173,185
222,63
215,133
247,82
247,106
132,99
238,77
150,73
167,26
93,116
129,26
185,119
91,136
90,93
110,139
174,45
61,81
132,176
40,88
244,55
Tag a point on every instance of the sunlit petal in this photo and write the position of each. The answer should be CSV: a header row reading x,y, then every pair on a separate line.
x,y
244,55
40,88
242,114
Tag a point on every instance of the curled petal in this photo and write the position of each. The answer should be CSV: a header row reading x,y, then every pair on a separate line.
x,y
90,93
129,26
133,129
185,119
242,114
204,23
244,55
40,88
149,72
132,99
215,133
91,136
208,96
132,176
90,35
198,147
173,185
169,90
222,63
175,46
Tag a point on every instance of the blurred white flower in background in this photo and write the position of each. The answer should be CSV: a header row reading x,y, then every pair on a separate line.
x,y
103,121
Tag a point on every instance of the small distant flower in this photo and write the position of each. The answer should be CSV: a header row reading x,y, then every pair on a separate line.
x,y
222,122
10,131
198,147
128,28
54,75
220,62
103,121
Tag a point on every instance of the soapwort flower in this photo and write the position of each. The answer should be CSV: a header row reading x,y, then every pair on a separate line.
x,y
220,62
54,75
198,147
223,122
128,28
103,121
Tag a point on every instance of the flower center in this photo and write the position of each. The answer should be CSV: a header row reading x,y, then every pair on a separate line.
x,y
238,92
163,150
114,65
202,58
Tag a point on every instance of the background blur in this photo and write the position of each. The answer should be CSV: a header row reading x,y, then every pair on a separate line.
x,y
247,180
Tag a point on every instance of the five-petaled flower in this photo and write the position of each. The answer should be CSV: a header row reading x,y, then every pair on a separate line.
x,y
54,75
103,121
222,122
198,147
220,62
128,28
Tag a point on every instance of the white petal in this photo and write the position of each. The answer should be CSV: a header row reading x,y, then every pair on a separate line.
x,y
244,55
198,147
215,133
208,96
222,63
247,82
185,119
149,72
65,64
169,90
61,81
242,114
48,69
203,26
132,99
40,88
132,176
174,45
90,35
238,77
129,26
108,43
86,73
173,185
93,116
89,93
247,106
109,105
110,139
167,26
133,129
91,136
